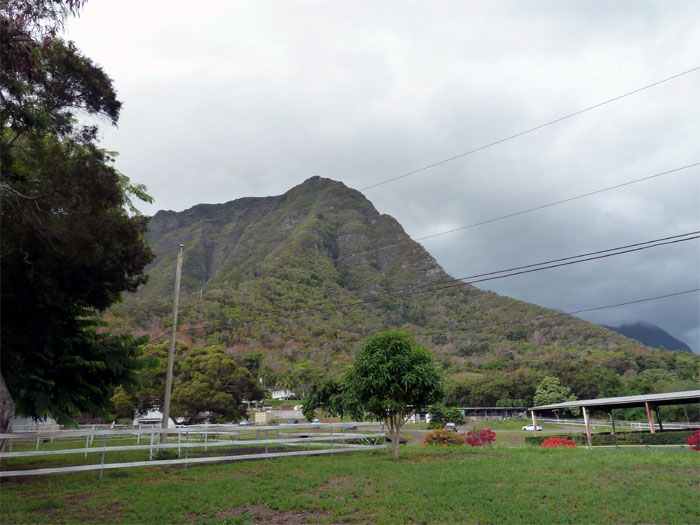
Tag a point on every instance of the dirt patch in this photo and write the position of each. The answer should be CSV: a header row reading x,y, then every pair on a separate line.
x,y
75,510
264,514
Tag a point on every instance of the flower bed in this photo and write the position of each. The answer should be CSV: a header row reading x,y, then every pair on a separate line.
x,y
558,442
478,438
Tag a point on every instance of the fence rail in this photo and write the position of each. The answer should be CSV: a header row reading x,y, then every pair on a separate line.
x,y
318,438
635,425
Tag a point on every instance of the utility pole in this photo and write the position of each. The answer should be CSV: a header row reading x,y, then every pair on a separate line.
x,y
171,350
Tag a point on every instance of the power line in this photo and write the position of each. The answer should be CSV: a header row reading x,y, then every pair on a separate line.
x,y
520,134
554,263
561,314
522,212
511,137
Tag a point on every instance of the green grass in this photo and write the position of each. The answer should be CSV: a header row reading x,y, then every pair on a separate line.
x,y
429,484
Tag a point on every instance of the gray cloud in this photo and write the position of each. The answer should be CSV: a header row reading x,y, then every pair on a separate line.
x,y
251,98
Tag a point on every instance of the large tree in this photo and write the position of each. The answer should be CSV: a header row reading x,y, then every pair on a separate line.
x,y
550,392
393,377
70,242
211,384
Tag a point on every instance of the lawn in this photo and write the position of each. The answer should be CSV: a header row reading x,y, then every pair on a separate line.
x,y
429,484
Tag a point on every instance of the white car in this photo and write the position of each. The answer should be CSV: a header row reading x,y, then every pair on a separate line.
x,y
528,428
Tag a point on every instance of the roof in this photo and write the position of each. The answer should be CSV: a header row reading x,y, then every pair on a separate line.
x,y
667,398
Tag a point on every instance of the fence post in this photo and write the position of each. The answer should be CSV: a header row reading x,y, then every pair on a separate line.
x,y
104,448
266,444
179,440
187,446
331,437
206,438
150,450
87,444
37,442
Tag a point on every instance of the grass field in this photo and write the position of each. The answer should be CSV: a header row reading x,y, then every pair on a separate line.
x,y
429,484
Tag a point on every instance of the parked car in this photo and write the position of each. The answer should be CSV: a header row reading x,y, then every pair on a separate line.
x,y
245,422
351,427
452,426
292,421
528,428
315,420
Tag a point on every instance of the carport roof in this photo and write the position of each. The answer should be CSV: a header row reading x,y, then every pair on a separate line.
x,y
667,398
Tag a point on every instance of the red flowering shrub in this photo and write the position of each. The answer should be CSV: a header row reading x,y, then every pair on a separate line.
x,y
443,437
558,442
479,438
694,441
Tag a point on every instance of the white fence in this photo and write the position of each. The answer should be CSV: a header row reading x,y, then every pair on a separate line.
x,y
287,440
633,425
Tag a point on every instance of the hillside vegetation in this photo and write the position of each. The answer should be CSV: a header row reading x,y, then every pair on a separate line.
x,y
302,278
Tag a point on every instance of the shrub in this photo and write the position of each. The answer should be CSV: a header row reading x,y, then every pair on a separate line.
x,y
164,454
443,437
558,442
479,438
694,441
667,437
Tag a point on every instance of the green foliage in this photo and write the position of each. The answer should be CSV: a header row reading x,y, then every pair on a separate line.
x,y
440,415
392,377
334,397
550,392
69,247
211,384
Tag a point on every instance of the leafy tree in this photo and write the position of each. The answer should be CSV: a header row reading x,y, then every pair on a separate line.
x,y
550,391
392,377
440,415
333,396
69,243
211,381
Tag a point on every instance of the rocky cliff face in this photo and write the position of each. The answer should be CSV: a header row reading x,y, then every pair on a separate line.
x,y
319,266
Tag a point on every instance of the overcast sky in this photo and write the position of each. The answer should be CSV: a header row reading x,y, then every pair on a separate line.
x,y
228,99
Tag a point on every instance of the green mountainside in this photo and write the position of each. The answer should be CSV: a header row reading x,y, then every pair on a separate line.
x,y
302,278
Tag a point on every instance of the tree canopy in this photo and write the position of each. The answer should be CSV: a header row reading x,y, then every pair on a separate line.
x,y
70,241
550,391
393,377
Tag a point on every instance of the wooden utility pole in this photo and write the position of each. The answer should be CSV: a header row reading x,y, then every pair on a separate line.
x,y
171,350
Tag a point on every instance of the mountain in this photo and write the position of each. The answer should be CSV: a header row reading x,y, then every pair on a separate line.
x,y
288,266
296,282
650,335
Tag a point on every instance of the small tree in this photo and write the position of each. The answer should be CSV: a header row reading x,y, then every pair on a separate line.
x,y
333,396
393,377
549,392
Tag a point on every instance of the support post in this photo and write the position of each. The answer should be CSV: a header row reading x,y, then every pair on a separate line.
x,y
171,350
104,449
587,421
658,418
612,423
534,423
187,446
650,417
87,444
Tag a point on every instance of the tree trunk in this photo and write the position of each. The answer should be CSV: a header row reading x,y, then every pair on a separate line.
x,y
395,430
7,412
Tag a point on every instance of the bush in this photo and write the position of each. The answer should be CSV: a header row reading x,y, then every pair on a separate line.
x,y
670,437
479,438
164,454
558,442
443,437
694,441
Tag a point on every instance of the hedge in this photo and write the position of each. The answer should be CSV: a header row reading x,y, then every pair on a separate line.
x,y
667,437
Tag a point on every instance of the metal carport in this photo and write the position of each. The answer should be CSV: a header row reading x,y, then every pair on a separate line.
x,y
651,402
